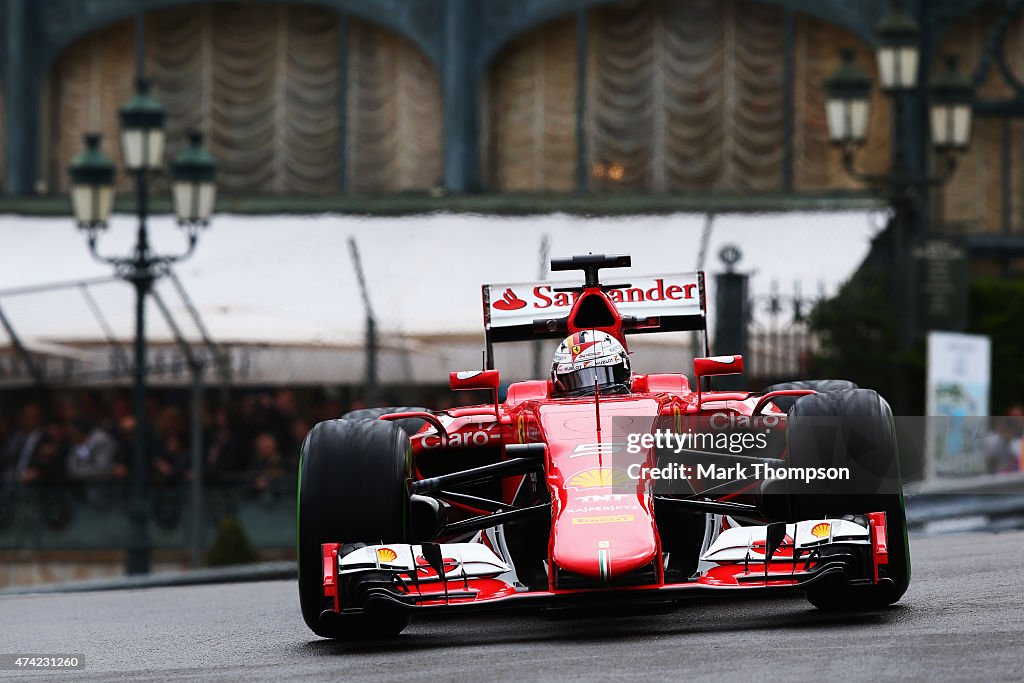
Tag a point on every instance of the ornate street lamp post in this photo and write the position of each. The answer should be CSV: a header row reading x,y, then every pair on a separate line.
x,y
92,198
906,184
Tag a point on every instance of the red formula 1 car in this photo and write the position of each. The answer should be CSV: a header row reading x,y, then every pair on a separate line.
x,y
615,488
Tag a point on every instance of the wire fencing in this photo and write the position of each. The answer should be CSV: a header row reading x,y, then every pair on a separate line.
x,y
226,419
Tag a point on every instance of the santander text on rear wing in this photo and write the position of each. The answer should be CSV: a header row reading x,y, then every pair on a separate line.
x,y
523,311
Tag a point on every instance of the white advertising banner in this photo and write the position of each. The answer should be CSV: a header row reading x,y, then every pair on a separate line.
x,y
520,303
959,376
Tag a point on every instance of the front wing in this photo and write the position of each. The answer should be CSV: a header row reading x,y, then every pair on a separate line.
x,y
461,577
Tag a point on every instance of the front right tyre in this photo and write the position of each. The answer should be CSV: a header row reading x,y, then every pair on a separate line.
x,y
353,489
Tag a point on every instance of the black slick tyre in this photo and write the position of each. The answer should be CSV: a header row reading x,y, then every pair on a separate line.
x,y
851,428
353,489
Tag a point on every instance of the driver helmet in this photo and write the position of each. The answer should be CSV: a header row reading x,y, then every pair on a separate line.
x,y
590,358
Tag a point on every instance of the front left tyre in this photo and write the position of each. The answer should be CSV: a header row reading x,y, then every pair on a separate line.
x,y
853,429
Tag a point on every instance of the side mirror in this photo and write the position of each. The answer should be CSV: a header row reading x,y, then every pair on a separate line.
x,y
466,380
717,365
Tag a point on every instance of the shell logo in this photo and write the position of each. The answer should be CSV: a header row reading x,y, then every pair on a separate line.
x,y
597,477
386,555
821,530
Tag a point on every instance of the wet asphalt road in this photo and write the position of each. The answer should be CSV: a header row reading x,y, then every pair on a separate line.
x,y
963,619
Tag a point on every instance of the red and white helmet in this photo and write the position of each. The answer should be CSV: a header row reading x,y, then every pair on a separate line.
x,y
587,359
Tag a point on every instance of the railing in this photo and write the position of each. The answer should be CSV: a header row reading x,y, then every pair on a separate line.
x,y
779,354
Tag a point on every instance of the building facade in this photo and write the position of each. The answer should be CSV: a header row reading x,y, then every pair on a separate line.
x,y
327,98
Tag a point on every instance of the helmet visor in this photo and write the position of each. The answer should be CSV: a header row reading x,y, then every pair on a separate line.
x,y
582,381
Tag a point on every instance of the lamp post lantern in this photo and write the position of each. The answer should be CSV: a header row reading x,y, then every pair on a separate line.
x,y
92,185
193,174
848,102
899,51
142,131
951,95
92,197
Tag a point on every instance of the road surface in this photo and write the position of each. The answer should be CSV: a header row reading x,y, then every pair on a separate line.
x,y
963,619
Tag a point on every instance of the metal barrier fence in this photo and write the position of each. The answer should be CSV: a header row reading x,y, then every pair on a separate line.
x,y
96,516
781,355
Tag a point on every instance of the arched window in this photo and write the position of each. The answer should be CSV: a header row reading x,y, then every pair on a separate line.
x,y
680,96
272,86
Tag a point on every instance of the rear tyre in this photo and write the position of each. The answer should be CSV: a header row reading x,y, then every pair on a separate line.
x,y
822,386
409,425
353,489
860,435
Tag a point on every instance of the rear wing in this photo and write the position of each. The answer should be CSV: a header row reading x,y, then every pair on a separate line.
x,y
526,311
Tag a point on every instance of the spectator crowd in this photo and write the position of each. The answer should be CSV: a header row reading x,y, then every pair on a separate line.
x,y
253,438
1004,445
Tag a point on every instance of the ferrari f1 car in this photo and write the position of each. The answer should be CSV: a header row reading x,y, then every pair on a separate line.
x,y
600,492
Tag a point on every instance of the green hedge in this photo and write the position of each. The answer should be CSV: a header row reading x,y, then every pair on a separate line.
x,y
859,340
997,309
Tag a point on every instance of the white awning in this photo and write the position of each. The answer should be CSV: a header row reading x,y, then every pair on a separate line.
x,y
290,280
